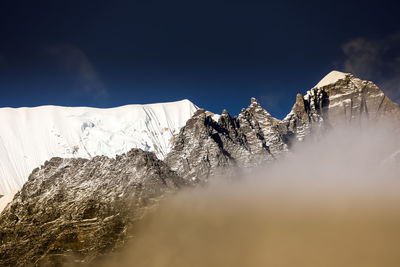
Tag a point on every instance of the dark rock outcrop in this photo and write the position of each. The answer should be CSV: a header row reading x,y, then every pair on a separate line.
x,y
205,147
78,209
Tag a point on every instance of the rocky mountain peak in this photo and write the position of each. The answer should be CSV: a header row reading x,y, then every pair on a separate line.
x,y
85,207
225,113
351,100
333,77
339,98
255,108
301,107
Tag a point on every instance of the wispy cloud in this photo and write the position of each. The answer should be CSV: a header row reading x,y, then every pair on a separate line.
x,y
377,60
302,210
73,59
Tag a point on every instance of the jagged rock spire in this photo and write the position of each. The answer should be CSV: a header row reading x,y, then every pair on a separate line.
x,y
255,120
229,142
225,113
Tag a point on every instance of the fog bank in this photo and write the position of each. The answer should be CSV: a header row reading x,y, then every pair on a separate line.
x,y
331,202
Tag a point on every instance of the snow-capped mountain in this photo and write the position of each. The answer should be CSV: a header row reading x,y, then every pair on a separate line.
x,y
206,146
85,207
30,136
340,99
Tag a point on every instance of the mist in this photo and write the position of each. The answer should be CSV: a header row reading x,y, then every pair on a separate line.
x,y
377,60
330,202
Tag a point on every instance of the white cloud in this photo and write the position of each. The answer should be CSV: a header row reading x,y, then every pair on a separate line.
x,y
377,60
329,203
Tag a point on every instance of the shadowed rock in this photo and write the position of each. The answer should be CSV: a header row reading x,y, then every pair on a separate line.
x,y
78,209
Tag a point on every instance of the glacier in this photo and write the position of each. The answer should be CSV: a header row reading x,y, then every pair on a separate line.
x,y
30,136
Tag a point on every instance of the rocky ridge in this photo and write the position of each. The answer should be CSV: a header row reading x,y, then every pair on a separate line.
x,y
74,210
82,209
347,101
205,147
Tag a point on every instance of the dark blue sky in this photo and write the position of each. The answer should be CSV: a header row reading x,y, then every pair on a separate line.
x,y
111,53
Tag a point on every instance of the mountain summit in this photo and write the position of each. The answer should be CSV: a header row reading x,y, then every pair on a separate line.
x,y
340,99
204,146
82,209
331,77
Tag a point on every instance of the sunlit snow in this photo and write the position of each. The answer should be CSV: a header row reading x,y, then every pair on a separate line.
x,y
332,77
30,136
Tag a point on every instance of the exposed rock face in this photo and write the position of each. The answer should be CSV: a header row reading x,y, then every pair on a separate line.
x,y
257,124
204,147
352,100
80,209
347,101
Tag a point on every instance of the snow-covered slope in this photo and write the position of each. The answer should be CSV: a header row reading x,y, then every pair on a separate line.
x,y
331,78
4,200
30,136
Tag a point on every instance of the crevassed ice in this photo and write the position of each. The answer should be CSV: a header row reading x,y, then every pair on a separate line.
x,y
30,136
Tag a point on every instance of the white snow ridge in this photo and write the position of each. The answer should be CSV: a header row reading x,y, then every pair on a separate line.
x,y
30,136
331,78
